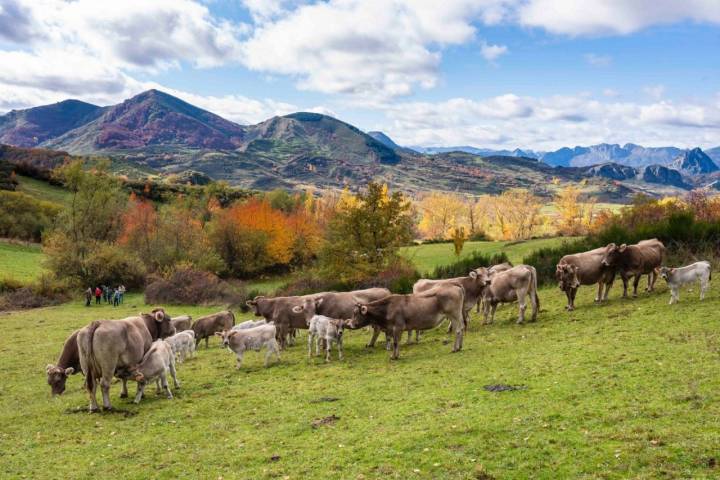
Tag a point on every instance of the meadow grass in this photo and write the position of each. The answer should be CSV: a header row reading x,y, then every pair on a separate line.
x,y
427,257
21,262
628,389
43,190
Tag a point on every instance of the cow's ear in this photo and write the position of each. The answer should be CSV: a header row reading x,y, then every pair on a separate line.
x,y
219,334
159,315
472,274
298,308
69,371
49,367
250,303
319,301
363,309
623,247
610,246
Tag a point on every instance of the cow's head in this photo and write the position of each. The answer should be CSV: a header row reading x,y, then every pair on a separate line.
x,y
165,327
481,276
613,253
56,378
567,276
339,325
360,317
225,336
308,308
253,304
664,272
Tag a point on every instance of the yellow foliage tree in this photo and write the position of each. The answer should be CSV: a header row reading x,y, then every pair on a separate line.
x,y
574,217
440,212
517,213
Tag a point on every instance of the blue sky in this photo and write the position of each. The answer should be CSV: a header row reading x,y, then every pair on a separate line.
x,y
534,74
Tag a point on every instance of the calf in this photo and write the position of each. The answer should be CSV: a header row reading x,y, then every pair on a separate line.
x,y
516,284
68,364
205,327
182,323
677,277
635,261
249,324
155,365
239,341
328,329
182,344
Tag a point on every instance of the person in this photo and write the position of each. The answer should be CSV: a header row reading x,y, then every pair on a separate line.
x,y
106,293
98,294
116,297
121,289
88,296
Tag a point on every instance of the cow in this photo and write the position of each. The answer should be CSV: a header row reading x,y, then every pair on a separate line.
x,y
584,268
517,284
279,310
107,346
328,329
182,323
635,261
205,327
497,268
182,344
473,284
157,362
395,314
677,277
240,341
68,364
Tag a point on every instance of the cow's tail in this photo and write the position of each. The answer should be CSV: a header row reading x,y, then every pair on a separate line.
x,y
87,356
232,317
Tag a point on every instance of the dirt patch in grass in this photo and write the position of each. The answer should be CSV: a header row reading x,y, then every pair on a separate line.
x,y
325,421
501,387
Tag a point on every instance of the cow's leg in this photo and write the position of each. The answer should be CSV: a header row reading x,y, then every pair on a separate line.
x,y
207,343
124,390
486,312
573,294
310,339
328,348
636,282
92,393
703,288
568,294
409,337
376,333
598,297
458,324
140,392
522,305
340,348
625,285
493,308
165,386
417,336
239,359
173,374
397,336
105,383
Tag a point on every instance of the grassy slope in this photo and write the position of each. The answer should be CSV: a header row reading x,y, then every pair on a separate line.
x,y
42,190
427,257
20,262
624,390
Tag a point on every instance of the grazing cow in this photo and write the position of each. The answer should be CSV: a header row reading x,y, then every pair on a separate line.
x,y
68,364
328,329
677,277
516,284
155,365
205,327
279,310
635,261
417,311
249,324
182,323
585,268
182,344
110,346
239,341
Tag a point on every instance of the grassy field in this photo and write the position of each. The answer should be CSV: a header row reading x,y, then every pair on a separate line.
x,y
624,390
427,257
19,261
43,190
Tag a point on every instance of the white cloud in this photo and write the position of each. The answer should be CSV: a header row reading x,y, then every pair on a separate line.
x,y
492,52
655,91
598,60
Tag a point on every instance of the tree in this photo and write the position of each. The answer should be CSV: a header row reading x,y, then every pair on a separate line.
x,y
440,213
364,236
517,212
458,237
574,217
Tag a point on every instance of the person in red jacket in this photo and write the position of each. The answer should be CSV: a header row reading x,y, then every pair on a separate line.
x,y
98,294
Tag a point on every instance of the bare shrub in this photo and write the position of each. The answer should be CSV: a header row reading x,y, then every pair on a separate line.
x,y
189,286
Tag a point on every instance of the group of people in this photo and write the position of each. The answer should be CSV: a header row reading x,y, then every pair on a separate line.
x,y
105,293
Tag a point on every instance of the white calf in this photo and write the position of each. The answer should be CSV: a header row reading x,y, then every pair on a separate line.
x,y
254,338
157,362
182,344
249,324
677,277
328,329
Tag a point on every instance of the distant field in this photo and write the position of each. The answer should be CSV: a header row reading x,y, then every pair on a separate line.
x,y
42,190
20,262
427,257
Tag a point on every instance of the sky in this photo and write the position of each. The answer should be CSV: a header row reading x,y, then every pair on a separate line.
x,y
532,74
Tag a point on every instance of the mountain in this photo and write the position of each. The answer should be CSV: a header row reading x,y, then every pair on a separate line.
x,y
695,162
483,152
150,119
613,171
714,153
628,154
31,127
384,139
664,176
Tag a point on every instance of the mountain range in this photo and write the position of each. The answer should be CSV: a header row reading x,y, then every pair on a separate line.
x,y
161,133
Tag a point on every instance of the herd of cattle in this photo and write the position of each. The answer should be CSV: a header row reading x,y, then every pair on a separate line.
x,y
146,347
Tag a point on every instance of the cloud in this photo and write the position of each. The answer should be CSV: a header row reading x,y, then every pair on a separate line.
x,y
15,22
492,52
598,60
655,91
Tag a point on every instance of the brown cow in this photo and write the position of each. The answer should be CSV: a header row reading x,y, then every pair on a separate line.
x,y
279,310
497,268
509,286
110,347
417,311
585,268
205,327
635,261
182,323
68,364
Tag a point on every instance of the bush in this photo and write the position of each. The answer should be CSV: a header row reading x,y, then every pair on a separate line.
x,y
24,217
463,266
46,291
188,286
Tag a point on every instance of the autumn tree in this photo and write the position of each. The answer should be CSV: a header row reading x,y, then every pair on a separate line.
x,y
517,213
365,235
574,217
440,212
139,229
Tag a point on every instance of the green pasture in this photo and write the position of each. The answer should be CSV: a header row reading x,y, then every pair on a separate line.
x,y
21,262
628,389
43,190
